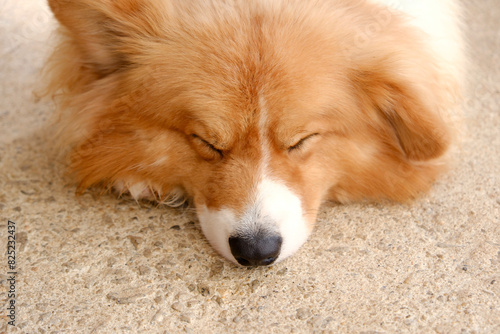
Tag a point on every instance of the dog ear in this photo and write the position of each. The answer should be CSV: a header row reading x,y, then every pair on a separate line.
x,y
407,106
104,30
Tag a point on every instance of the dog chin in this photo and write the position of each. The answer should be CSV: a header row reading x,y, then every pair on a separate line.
x,y
270,229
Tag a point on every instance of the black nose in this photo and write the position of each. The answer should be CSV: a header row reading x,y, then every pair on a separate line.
x,y
255,251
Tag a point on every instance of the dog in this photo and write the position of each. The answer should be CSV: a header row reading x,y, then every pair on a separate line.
x,y
257,111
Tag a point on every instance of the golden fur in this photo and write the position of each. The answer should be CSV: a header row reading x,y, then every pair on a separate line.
x,y
172,95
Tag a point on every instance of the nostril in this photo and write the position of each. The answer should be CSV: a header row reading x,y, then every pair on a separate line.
x,y
256,250
268,261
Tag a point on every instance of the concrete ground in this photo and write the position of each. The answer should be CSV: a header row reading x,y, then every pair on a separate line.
x,y
94,264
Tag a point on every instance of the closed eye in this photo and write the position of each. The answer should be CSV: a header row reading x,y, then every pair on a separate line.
x,y
207,144
301,142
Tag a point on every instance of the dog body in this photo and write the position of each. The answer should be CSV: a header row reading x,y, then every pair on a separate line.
x,y
257,111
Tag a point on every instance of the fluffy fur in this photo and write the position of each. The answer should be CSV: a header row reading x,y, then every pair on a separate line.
x,y
258,111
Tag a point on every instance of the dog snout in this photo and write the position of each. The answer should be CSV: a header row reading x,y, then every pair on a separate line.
x,y
255,250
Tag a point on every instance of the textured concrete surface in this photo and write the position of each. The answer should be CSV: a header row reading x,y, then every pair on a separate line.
x,y
98,264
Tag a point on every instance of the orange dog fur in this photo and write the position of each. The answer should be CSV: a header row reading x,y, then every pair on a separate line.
x,y
257,111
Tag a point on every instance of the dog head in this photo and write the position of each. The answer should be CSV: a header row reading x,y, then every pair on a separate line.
x,y
258,111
